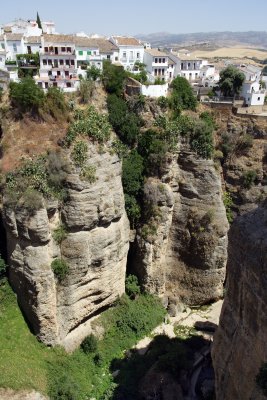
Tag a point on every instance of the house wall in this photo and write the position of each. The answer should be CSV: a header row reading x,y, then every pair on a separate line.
x,y
155,90
128,56
13,48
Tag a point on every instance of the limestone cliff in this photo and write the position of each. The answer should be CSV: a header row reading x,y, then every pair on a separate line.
x,y
181,250
95,249
240,345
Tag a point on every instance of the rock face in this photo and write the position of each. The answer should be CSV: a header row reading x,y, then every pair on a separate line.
x,y
95,249
182,249
240,345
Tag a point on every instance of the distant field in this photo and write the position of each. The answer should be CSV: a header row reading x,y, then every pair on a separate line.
x,y
232,52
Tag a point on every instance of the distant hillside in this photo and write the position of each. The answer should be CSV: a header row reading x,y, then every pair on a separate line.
x,y
208,39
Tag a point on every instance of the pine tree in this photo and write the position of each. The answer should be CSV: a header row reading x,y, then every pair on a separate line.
x,y
39,21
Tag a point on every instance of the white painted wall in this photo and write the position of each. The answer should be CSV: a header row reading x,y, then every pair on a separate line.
x,y
155,90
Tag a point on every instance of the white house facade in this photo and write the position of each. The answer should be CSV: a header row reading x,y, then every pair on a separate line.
x,y
58,63
130,51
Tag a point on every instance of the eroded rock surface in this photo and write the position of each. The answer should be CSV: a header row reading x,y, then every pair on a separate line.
x,y
240,345
95,250
182,249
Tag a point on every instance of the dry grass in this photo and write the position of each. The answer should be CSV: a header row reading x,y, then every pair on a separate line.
x,y
27,138
232,52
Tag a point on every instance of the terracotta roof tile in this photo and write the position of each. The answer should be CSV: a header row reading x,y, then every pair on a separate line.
x,y
14,36
67,39
32,39
127,41
156,53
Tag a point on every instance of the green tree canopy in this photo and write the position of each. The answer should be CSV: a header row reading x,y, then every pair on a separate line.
x,y
113,78
26,95
231,81
182,96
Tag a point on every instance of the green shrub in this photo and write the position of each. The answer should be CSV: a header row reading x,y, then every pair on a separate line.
x,y
249,178
79,153
228,204
132,173
163,102
132,286
26,95
59,234
182,96
201,139
55,103
88,174
89,123
89,344
60,269
64,387
2,267
31,200
93,73
85,90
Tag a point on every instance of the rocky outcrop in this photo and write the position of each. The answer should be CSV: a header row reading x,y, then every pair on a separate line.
x,y
240,345
95,250
182,249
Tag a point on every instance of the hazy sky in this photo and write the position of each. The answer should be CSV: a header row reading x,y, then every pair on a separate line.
x,y
142,16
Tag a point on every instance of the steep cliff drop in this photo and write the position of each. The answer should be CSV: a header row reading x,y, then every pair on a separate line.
x,y
240,345
95,249
182,248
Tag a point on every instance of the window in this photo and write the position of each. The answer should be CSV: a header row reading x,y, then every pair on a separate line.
x,y
46,49
163,60
189,65
67,74
63,49
108,57
68,49
2,45
162,71
55,84
156,72
124,54
61,62
44,62
259,98
80,53
49,62
68,84
72,62
14,47
160,60
89,52
46,85
138,55
116,58
94,53
182,66
68,62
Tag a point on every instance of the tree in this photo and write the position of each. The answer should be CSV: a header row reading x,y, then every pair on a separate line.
x,y
26,95
231,81
182,96
38,20
93,73
113,78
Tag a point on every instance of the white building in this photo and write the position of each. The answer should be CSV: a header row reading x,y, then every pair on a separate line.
x,y
157,64
29,27
58,63
92,52
251,90
253,94
209,76
131,51
191,67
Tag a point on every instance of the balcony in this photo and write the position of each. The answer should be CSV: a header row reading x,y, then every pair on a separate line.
x,y
53,52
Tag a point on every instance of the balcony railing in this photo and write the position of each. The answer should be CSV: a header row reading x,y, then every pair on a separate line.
x,y
57,53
